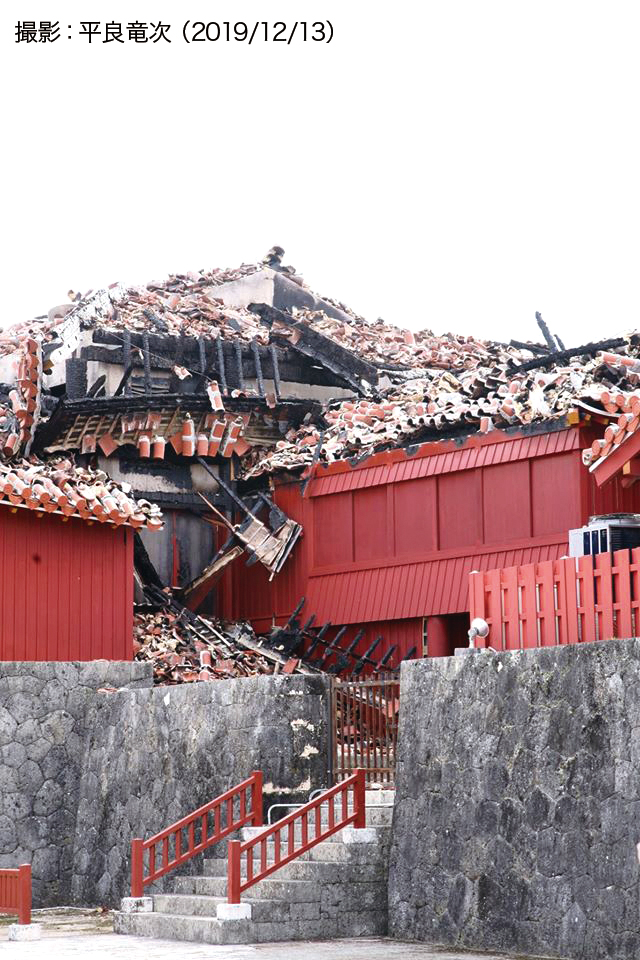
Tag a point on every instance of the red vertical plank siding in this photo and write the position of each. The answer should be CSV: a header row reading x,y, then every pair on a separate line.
x,y
572,634
126,636
546,605
67,589
529,609
587,596
605,596
511,613
624,626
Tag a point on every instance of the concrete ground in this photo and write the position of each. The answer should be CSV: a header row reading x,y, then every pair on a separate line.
x,y
71,934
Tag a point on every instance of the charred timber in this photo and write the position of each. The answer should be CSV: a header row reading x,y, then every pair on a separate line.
x,y
281,364
587,349
321,349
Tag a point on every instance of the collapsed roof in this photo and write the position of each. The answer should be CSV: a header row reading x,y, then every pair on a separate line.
x,y
212,330
250,366
62,487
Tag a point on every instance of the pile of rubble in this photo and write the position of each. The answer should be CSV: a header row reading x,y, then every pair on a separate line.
x,y
20,413
389,346
623,408
183,648
506,389
60,486
183,304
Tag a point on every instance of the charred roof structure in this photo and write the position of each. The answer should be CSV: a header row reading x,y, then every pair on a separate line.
x,y
192,400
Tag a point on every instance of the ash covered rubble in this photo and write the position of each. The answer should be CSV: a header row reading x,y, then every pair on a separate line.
x,y
184,647
193,394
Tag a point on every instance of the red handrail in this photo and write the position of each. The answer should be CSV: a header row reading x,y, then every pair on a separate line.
x,y
15,892
225,821
235,883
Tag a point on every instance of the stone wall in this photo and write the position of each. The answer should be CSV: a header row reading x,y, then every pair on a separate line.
x,y
42,732
518,802
152,756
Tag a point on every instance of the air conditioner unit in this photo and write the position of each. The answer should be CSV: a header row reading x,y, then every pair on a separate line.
x,y
612,531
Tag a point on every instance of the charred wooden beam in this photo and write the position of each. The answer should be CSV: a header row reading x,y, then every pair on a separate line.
x,y
346,656
292,365
318,639
546,333
76,378
238,352
124,385
587,349
221,370
290,622
147,363
128,366
256,358
532,347
345,364
366,656
276,371
386,658
97,387
331,647
158,322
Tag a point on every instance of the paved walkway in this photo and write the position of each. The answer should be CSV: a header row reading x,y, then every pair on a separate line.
x,y
112,947
75,934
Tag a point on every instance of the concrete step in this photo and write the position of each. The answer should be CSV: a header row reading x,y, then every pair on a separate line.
x,y
271,888
374,797
172,926
271,898
328,871
336,850
334,890
378,815
248,833
198,905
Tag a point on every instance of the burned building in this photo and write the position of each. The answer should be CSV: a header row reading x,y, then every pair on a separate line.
x,y
298,452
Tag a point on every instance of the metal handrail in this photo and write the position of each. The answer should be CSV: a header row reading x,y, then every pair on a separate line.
x,y
288,806
311,834
224,804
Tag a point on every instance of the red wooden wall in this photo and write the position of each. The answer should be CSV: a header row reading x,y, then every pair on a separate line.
x,y
394,540
66,589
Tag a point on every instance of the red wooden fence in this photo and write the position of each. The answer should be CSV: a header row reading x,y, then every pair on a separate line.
x,y
209,824
300,831
15,892
571,600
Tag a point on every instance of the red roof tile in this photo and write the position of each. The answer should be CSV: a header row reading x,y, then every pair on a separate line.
x,y
62,487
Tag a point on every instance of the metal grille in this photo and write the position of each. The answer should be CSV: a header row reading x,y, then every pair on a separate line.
x,y
365,729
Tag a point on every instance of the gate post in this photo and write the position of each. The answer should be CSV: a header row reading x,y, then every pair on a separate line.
x,y
332,724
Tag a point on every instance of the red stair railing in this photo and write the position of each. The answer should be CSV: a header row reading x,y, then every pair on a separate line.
x,y
15,892
239,806
312,832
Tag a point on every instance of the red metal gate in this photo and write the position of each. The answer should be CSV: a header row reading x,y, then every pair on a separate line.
x,y
365,729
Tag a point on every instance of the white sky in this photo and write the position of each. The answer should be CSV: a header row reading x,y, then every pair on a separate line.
x,y
456,165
